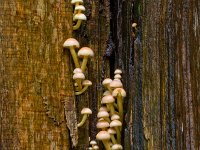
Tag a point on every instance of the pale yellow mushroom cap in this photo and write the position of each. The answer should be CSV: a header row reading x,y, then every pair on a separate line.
x,y
115,117
106,93
117,76
93,142
107,81
103,108
96,147
102,114
80,7
116,147
118,71
85,51
117,91
116,83
76,1
134,25
90,148
77,70
80,17
115,123
71,42
111,131
108,99
103,135
86,111
87,82
102,124
79,75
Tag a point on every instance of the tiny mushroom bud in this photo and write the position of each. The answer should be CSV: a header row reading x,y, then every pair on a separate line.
x,y
109,101
117,76
120,93
106,82
117,147
72,43
96,147
104,115
118,71
86,84
103,125
85,112
90,148
80,17
117,124
85,53
78,77
134,25
104,136
112,132
76,2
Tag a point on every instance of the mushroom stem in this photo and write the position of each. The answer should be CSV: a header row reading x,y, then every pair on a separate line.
x,y
78,24
108,87
74,56
118,135
82,90
106,144
83,120
120,106
78,81
84,63
113,139
111,108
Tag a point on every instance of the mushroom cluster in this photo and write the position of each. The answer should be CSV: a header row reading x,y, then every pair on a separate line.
x,y
78,16
84,53
110,115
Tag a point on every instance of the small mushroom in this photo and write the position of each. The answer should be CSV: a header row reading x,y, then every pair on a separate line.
x,y
117,76
85,112
86,84
106,82
77,70
116,83
80,17
115,117
72,43
102,124
104,115
78,77
109,101
96,147
120,93
117,147
85,53
106,93
76,2
117,124
78,9
93,143
118,71
112,133
104,136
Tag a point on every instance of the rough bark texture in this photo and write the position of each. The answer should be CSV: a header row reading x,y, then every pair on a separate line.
x,y
160,62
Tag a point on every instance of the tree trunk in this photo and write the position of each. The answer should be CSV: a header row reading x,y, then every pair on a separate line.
x,y
160,60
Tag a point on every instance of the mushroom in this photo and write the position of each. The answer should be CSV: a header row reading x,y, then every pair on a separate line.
x,y
112,133
80,17
72,43
78,9
90,148
106,82
104,115
103,108
104,136
85,53
116,83
117,124
76,2
77,70
109,101
120,93
117,147
85,112
86,84
102,124
93,143
118,71
117,76
78,77
96,147
115,117
134,25
106,93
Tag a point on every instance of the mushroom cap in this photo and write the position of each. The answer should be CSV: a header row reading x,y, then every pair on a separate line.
x,y
115,117
103,108
108,99
71,42
107,81
90,148
79,76
116,83
117,76
116,147
95,147
102,114
87,82
118,71
86,111
103,135
76,1
93,142
115,123
80,7
80,17
134,25
77,70
102,124
106,93
111,131
85,51
117,91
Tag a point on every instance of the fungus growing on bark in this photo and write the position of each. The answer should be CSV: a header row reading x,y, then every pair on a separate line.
x,y
106,82
79,17
104,115
80,8
76,2
117,124
104,136
109,101
86,84
85,112
112,133
102,124
72,43
117,147
78,77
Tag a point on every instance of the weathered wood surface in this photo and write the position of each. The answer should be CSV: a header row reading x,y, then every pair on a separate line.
x,y
160,63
